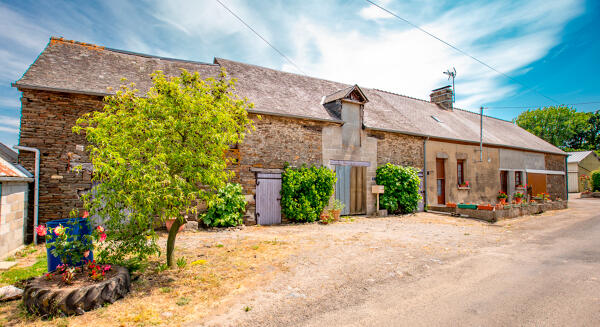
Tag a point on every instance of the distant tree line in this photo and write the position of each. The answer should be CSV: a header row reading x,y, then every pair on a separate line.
x,y
564,127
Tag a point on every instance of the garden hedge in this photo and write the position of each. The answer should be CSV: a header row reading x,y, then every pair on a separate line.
x,y
228,209
596,180
401,188
305,192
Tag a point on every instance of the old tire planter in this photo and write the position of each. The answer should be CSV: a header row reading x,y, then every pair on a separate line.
x,y
45,301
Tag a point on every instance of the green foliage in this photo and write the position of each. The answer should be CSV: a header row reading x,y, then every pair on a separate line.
x,y
562,126
596,180
15,275
337,205
401,194
156,155
181,262
227,209
305,192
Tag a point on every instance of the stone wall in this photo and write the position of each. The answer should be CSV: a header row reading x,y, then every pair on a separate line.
x,y
398,149
277,140
556,184
47,119
12,216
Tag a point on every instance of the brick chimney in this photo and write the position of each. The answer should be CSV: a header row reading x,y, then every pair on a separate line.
x,y
442,97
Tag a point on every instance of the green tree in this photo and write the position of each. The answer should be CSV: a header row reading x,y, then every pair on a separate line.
x,y
155,157
588,138
557,125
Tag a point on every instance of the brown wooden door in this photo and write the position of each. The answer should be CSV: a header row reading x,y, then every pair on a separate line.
x,y
504,181
537,183
358,175
441,180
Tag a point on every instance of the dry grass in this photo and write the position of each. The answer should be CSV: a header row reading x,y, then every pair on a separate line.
x,y
216,270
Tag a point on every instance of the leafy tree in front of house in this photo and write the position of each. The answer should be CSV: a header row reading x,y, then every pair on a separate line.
x,y
588,138
156,156
401,188
305,192
558,125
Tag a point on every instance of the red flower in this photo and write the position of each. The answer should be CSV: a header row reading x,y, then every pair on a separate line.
x,y
102,237
41,230
100,229
59,230
85,214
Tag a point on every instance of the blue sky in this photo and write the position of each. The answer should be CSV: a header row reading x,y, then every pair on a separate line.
x,y
551,46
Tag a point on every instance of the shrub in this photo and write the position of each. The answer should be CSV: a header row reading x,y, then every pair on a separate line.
x,y
227,209
596,180
401,188
305,192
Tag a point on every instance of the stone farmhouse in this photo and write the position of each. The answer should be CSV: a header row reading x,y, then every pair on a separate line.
x,y
305,120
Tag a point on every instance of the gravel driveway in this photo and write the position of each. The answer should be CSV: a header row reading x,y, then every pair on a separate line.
x,y
338,263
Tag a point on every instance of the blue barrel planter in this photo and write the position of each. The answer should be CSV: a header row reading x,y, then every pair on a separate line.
x,y
82,228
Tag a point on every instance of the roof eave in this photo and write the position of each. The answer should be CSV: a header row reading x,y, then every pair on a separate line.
x,y
459,140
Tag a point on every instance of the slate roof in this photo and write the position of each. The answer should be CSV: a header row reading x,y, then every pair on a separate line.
x,y
578,156
89,69
82,68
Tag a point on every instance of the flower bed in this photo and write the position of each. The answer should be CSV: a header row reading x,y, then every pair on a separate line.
x,y
511,210
52,295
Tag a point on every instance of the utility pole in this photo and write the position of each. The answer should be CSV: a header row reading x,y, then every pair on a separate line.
x,y
481,134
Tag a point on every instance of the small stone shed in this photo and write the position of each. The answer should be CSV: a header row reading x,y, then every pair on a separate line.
x,y
305,120
14,186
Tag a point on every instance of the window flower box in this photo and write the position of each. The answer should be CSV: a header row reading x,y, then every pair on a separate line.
x,y
488,207
464,187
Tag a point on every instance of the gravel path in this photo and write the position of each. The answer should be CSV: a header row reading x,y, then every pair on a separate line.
x,y
339,262
366,271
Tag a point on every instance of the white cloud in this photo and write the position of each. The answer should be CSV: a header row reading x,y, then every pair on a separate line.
x,y
9,102
9,121
374,13
410,62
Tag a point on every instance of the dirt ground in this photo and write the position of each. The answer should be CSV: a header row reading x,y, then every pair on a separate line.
x,y
246,276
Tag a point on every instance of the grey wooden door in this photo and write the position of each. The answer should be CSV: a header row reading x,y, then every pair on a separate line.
x,y
342,187
268,206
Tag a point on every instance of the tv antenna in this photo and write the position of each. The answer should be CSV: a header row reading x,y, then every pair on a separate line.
x,y
452,74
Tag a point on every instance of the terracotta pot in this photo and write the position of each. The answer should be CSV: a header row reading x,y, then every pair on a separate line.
x,y
503,200
518,200
169,223
335,214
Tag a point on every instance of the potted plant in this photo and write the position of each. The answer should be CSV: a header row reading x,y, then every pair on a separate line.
x,y
76,283
502,197
451,205
485,207
169,222
464,185
326,218
336,209
518,197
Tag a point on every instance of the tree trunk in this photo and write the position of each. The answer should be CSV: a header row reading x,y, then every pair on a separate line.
x,y
171,241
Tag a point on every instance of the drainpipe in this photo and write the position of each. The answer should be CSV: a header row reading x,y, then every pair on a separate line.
x,y
425,173
567,179
481,134
36,188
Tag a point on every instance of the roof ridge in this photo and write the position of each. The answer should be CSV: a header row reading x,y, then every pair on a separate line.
x,y
61,40
401,95
283,71
474,113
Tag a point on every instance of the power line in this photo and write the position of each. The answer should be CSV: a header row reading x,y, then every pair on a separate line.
x,y
525,107
459,50
261,37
